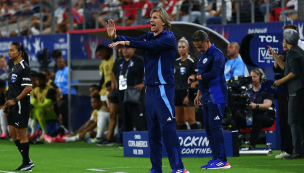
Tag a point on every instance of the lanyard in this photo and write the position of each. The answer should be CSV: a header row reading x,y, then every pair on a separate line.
x,y
127,71
255,94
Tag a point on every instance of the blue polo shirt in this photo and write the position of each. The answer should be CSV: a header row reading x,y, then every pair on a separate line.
x,y
213,84
61,80
234,67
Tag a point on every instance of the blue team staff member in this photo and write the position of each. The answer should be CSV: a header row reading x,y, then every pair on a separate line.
x,y
159,47
212,94
235,66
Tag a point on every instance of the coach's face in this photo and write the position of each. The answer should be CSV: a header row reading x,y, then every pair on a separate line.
x,y
202,46
157,25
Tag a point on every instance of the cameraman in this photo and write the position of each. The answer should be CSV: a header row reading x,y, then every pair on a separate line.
x,y
260,102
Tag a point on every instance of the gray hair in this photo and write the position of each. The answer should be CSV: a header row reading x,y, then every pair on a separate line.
x,y
164,17
291,36
183,39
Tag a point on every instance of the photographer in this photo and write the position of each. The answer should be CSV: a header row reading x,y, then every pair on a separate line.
x,y
260,102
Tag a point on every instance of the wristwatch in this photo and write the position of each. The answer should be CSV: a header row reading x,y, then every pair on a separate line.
x,y
15,99
257,106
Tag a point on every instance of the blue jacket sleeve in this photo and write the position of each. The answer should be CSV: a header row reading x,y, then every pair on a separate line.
x,y
218,64
126,38
161,43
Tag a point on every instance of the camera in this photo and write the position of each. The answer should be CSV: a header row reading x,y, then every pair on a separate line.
x,y
44,59
238,101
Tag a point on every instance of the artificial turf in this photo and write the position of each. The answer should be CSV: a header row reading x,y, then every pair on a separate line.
x,y
80,156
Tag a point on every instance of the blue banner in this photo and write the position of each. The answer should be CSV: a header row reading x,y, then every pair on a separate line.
x,y
236,32
83,46
34,45
192,143
259,48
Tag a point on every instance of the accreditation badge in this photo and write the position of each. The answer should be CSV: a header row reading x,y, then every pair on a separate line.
x,y
122,82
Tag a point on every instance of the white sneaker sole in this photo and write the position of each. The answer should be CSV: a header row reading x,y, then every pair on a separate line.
x,y
224,167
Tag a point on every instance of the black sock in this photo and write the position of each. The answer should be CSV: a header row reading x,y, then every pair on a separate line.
x,y
17,143
181,127
24,149
194,126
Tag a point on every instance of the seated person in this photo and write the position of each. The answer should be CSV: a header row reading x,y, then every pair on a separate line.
x,y
94,127
44,97
94,89
260,102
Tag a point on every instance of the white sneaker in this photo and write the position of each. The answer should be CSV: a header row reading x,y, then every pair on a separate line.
x,y
282,155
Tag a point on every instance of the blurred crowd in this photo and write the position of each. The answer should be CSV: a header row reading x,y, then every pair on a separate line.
x,y
124,12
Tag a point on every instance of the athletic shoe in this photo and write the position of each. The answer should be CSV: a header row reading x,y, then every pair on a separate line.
x,y
176,170
93,140
153,171
282,155
48,138
218,164
33,137
294,156
31,163
209,163
3,135
24,167
58,140
104,143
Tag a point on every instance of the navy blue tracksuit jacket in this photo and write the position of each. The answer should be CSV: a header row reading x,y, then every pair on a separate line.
x,y
159,57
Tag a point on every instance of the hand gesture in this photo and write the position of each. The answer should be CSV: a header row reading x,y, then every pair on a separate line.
x,y
111,29
270,51
117,45
277,83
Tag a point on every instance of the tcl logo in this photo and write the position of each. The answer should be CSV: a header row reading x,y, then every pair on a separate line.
x,y
268,38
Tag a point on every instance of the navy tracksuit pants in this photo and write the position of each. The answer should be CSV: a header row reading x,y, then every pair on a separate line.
x,y
213,116
161,126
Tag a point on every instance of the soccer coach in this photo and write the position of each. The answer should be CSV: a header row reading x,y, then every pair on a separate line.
x,y
212,93
159,47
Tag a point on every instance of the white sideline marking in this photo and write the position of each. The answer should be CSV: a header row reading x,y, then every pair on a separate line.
x,y
93,149
7,171
95,170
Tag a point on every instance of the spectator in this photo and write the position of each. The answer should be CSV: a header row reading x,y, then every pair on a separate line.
x,y
146,7
292,76
3,68
245,10
195,14
92,9
43,103
235,65
215,17
61,80
260,102
127,7
3,121
272,4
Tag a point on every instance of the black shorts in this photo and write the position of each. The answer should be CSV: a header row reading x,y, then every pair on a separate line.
x,y
179,98
18,114
114,97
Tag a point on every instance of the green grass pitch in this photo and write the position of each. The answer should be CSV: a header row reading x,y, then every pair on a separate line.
x,y
79,157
